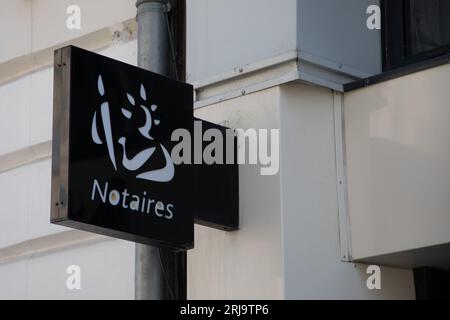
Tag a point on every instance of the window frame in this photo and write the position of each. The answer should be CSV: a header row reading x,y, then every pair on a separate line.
x,y
396,38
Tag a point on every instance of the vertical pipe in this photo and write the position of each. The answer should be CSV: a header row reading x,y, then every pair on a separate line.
x,y
153,39
154,55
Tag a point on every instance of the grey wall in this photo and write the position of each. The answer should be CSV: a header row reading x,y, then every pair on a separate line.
x,y
331,38
224,34
336,31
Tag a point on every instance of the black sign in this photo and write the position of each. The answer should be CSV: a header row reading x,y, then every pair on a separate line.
x,y
112,171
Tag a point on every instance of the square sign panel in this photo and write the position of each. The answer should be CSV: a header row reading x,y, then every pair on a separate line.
x,y
112,171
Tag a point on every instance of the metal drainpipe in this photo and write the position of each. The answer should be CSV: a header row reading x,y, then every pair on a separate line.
x,y
153,55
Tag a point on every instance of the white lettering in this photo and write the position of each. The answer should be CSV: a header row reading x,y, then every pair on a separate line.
x,y
374,281
74,280
74,20
133,202
374,20
96,186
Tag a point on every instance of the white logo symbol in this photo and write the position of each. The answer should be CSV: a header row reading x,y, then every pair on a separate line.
x,y
164,174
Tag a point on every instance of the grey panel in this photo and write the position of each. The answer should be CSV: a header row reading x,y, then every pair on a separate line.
x,y
435,256
224,34
336,31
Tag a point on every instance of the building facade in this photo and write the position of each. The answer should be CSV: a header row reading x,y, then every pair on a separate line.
x,y
363,178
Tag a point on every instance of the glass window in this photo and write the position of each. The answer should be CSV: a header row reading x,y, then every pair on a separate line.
x,y
415,30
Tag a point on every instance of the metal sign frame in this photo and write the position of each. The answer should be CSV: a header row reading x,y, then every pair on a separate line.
x,y
214,188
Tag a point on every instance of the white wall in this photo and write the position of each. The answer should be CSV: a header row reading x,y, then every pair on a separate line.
x,y
244,264
31,264
288,244
29,26
398,138
107,272
312,266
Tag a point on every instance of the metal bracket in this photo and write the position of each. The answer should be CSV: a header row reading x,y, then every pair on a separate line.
x,y
343,211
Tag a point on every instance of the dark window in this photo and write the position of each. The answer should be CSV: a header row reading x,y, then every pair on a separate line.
x,y
414,30
432,284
